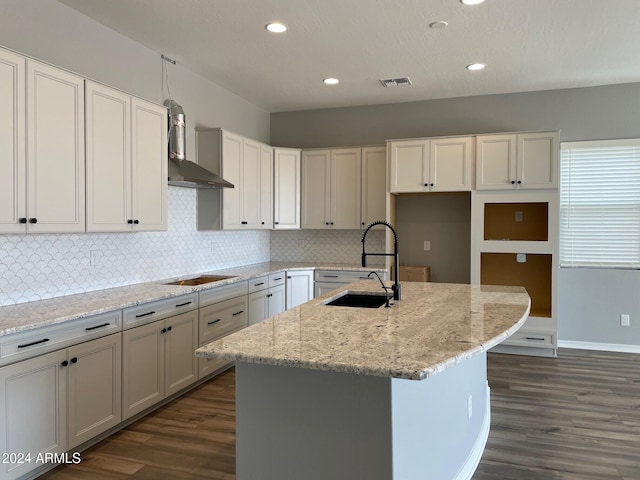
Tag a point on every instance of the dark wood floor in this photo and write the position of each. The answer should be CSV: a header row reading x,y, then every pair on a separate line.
x,y
575,417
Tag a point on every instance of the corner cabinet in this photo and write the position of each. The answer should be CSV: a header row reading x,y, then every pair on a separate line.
x,y
517,161
286,189
299,287
431,165
331,183
126,142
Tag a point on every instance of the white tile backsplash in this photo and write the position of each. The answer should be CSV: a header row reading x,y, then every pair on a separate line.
x,y
38,266
330,246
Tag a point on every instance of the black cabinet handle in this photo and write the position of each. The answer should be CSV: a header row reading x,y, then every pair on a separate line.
x,y
262,223
145,314
22,220
330,276
74,360
362,223
182,304
130,221
519,182
426,184
88,329
25,345
64,364
136,222
33,220
215,321
277,223
237,313
269,295
244,223
540,339
276,279
513,182
164,330
288,276
432,184
330,223
169,328
258,284
326,223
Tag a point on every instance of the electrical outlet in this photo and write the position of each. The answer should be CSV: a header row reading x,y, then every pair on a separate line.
x,y
427,245
521,257
518,216
469,407
625,320
94,257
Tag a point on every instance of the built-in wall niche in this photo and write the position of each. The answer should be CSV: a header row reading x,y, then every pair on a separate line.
x,y
434,230
531,271
516,221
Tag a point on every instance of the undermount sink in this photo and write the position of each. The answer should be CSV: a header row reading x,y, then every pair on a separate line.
x,y
359,300
190,282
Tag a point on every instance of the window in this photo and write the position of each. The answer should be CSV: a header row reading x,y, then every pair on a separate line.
x,y
600,204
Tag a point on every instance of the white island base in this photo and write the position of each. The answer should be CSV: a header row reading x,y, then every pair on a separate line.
x,y
303,424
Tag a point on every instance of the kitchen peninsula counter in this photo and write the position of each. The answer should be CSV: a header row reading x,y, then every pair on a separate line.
x,y
347,393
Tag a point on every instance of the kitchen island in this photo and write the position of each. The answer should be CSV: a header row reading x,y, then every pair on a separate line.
x,y
370,393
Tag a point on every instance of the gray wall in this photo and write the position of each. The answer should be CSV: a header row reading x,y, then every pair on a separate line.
x,y
590,301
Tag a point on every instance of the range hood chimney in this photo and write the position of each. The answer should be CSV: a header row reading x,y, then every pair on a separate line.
x,y
182,172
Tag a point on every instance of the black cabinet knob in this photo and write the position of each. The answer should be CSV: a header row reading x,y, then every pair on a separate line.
x,y
136,222
262,223
519,182
65,363
74,360
22,220
169,329
130,221
426,184
331,223
431,184
277,223
513,182
164,330
33,220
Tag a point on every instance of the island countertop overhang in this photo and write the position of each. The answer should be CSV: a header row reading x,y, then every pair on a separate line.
x,y
434,327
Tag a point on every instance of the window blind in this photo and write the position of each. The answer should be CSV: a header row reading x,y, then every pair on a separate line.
x,y
600,204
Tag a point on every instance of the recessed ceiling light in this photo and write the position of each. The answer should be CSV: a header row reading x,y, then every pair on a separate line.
x,y
472,2
331,81
476,66
439,24
276,27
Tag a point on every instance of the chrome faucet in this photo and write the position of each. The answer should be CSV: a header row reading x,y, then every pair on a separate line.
x,y
396,284
386,289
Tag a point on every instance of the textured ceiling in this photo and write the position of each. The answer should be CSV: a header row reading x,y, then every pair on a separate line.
x,y
527,45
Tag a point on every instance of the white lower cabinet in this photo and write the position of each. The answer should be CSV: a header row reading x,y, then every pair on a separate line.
x,y
266,297
158,360
54,402
299,287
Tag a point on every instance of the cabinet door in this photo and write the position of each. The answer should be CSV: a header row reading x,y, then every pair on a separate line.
x,y
181,341
299,287
95,380
232,172
374,185
250,184
33,410
495,162
537,160
450,164
409,166
13,181
266,187
108,142
316,187
55,146
142,368
277,302
149,166
346,176
258,306
286,189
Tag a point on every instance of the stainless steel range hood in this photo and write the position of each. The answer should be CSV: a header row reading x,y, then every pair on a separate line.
x,y
182,172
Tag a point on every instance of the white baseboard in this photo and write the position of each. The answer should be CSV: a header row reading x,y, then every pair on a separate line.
x,y
606,347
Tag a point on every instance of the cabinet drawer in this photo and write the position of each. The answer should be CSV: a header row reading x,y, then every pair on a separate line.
x,y
152,311
222,318
531,339
276,279
342,276
28,344
258,283
225,292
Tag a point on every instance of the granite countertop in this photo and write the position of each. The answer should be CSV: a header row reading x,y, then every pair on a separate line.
x,y
433,327
31,315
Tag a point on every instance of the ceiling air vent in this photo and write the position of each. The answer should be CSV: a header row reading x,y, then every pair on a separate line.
x,y
395,82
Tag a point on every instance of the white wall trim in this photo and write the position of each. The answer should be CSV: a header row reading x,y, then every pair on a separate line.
x,y
607,347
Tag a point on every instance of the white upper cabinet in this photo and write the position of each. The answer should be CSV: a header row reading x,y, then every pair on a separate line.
x,y
424,165
374,185
126,162
55,146
249,166
331,182
13,181
523,160
286,189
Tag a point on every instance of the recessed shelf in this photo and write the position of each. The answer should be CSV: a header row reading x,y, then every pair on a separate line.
x,y
516,221
534,274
